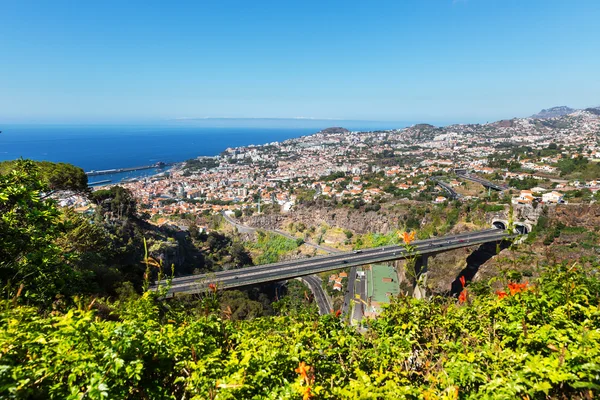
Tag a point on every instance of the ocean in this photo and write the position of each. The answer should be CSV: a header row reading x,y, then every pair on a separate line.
x,y
102,147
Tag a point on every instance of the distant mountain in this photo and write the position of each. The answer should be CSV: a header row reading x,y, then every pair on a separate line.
x,y
553,112
593,110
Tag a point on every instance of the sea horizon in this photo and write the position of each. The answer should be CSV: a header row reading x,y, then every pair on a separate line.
x,y
102,147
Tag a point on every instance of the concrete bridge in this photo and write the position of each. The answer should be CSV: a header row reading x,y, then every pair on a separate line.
x,y
308,266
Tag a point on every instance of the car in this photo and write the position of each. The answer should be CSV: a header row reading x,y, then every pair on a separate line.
x,y
357,251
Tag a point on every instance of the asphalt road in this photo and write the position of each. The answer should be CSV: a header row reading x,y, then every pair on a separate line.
x,y
359,306
451,192
315,285
484,182
308,266
349,295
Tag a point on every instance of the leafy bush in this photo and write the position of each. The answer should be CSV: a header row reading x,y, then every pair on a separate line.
x,y
272,246
537,341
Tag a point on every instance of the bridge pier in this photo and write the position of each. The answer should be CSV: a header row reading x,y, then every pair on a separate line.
x,y
420,290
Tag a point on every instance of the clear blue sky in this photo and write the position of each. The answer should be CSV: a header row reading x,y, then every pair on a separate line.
x,y
429,60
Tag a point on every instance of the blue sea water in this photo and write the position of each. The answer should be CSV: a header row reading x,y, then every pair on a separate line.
x,y
103,147
106,147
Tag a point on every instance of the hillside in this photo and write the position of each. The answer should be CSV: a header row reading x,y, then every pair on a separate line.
x,y
553,112
335,129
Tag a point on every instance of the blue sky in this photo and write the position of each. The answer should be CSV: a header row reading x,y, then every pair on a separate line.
x,y
409,60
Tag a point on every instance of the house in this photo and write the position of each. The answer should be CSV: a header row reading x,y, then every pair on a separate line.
x,y
552,197
439,200
526,197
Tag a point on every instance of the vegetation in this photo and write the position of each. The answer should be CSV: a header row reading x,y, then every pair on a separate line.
x,y
55,176
72,324
579,167
531,341
272,247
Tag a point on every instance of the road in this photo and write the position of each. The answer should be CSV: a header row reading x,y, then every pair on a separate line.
x,y
316,286
359,306
451,192
484,182
308,266
248,229
313,281
349,295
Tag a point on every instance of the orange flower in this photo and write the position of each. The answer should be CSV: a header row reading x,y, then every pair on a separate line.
x,y
408,237
303,370
306,395
338,313
463,296
515,288
462,281
212,287
501,294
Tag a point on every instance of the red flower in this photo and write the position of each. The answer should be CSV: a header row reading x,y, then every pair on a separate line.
x,y
463,296
515,288
338,313
212,287
501,294
462,281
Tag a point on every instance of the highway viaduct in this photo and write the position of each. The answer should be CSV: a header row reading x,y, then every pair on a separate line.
x,y
302,267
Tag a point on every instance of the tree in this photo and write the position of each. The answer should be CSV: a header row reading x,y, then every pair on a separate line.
x,y
117,200
56,176
31,263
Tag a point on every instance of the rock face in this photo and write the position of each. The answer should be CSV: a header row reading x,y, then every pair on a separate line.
x,y
553,112
581,215
357,221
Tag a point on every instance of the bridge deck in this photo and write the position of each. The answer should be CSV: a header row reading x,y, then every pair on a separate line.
x,y
308,266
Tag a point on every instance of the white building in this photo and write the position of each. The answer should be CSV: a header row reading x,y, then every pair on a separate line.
x,y
552,197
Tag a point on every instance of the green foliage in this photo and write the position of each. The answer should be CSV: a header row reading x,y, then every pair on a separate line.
x,y
56,176
117,200
370,240
523,184
30,260
541,342
579,167
199,164
271,247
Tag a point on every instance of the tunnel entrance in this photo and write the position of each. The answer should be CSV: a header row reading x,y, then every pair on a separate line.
x,y
521,229
499,225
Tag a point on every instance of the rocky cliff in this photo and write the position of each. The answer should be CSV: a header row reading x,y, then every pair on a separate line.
x,y
582,215
358,221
